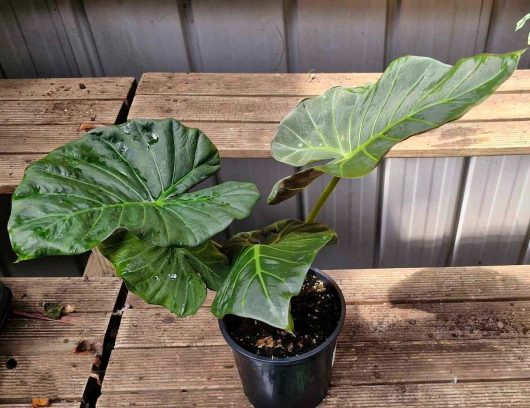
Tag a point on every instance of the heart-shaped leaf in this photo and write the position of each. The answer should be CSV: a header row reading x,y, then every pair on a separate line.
x,y
173,277
269,267
132,176
354,128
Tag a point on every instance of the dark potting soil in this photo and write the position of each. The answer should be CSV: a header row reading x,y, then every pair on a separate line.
x,y
315,312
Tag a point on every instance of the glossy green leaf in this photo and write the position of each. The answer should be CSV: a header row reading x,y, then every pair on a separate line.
x,y
268,268
173,277
353,128
132,176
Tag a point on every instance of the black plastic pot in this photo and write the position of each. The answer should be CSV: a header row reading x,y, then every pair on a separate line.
x,y
5,302
300,381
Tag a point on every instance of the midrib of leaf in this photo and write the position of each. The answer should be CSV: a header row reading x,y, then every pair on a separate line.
x,y
149,149
128,165
259,274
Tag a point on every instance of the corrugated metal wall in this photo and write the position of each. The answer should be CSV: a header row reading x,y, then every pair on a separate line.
x,y
410,212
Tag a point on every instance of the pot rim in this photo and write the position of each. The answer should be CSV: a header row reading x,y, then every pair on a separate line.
x,y
302,357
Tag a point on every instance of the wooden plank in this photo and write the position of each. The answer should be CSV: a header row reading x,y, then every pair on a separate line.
x,y
87,294
52,375
252,140
306,84
55,404
65,88
364,323
237,140
39,112
425,285
42,350
32,139
272,109
32,336
356,364
471,395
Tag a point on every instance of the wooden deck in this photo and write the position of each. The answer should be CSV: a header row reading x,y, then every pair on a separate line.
x,y
413,337
240,112
38,357
39,115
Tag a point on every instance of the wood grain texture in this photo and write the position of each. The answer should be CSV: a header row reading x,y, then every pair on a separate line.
x,y
424,285
355,364
471,395
46,364
30,138
65,88
271,109
59,112
409,335
87,294
364,323
306,84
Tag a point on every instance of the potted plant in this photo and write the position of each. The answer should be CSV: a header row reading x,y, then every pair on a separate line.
x,y
125,189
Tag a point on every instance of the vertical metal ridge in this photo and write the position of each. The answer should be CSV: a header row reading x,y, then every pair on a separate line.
x,y
379,213
84,38
393,8
24,40
290,16
458,211
189,34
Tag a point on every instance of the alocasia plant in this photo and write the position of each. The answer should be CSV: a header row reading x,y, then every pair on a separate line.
x,y
125,189
347,131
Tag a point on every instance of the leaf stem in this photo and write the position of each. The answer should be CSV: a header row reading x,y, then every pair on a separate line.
x,y
322,199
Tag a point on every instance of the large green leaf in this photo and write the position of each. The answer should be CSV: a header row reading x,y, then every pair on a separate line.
x,y
269,267
354,128
173,277
133,176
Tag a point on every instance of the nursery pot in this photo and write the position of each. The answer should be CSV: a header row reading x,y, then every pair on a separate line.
x,y
5,302
300,381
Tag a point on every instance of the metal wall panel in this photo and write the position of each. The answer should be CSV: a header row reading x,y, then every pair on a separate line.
x,y
495,212
240,35
134,36
337,36
264,173
419,202
501,36
45,38
443,29
352,212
